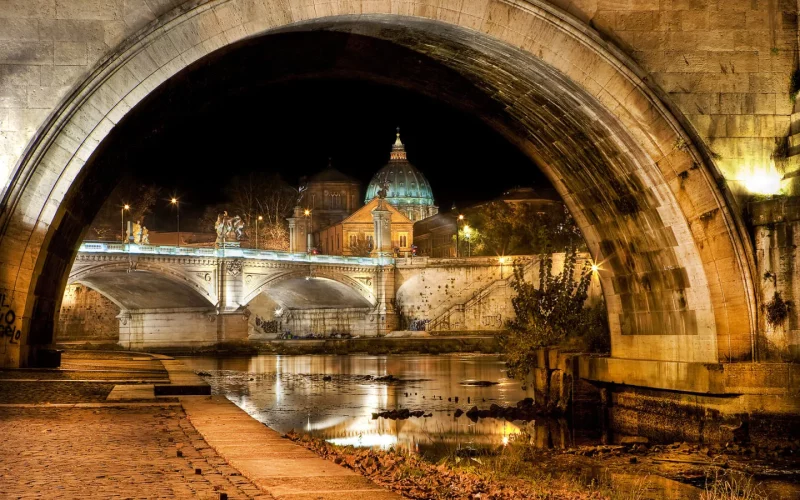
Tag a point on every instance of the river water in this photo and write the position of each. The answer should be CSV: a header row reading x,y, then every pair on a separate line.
x,y
294,393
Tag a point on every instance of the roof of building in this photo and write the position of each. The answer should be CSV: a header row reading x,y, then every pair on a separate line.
x,y
405,184
330,174
364,214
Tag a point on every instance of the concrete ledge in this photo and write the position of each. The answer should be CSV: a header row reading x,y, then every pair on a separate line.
x,y
731,379
182,381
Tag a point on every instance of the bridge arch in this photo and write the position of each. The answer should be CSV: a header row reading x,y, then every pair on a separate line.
x,y
676,269
359,290
143,286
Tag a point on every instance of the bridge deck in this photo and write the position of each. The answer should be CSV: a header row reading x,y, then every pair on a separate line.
x,y
88,247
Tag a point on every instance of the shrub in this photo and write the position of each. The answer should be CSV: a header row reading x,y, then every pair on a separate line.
x,y
552,312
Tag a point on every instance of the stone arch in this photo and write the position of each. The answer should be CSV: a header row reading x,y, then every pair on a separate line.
x,y
263,283
677,270
181,284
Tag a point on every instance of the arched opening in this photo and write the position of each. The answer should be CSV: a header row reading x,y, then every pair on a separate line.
x,y
675,272
308,306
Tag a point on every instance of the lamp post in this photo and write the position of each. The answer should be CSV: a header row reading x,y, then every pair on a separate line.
x,y
175,202
122,220
502,261
310,241
458,226
257,219
467,231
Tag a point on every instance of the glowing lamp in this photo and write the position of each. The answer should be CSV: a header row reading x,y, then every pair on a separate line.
x,y
595,268
763,182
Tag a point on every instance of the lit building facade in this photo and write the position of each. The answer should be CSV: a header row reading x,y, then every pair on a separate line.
x,y
355,235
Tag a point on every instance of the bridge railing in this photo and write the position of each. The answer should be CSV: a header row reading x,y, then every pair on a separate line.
x,y
245,253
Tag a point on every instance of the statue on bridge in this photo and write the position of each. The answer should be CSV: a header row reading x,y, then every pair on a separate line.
x,y
230,230
141,236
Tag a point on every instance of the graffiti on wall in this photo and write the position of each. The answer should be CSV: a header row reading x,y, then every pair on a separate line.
x,y
8,322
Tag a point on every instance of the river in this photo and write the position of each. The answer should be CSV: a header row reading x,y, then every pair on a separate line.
x,y
334,397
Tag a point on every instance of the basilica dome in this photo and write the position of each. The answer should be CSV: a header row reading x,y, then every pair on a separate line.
x,y
407,189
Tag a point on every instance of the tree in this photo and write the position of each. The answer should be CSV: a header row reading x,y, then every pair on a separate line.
x,y
141,198
547,314
362,247
264,195
501,228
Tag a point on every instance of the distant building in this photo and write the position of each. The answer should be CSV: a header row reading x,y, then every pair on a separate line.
x,y
358,230
434,236
331,196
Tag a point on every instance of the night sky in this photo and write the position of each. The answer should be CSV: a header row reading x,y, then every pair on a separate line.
x,y
293,128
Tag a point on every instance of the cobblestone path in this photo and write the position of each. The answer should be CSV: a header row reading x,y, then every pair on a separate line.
x,y
105,452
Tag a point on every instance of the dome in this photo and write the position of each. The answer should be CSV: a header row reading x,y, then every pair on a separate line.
x,y
407,189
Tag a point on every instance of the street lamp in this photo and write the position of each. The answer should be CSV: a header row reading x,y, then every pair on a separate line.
x,y
467,232
174,201
502,261
310,241
122,220
257,219
458,226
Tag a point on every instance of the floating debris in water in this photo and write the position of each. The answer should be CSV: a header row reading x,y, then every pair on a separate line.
x,y
478,383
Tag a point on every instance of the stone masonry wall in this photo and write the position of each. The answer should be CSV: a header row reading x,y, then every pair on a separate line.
x,y
776,233
725,64
465,294
87,315
264,323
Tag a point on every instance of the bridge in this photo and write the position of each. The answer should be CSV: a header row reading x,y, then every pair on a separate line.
x,y
186,295
656,121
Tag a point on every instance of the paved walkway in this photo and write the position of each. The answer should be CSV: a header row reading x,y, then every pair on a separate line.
x,y
96,428
277,465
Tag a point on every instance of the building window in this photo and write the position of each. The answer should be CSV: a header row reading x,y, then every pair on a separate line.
x,y
370,241
353,240
403,240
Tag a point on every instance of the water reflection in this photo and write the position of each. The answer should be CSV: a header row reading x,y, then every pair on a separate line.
x,y
333,397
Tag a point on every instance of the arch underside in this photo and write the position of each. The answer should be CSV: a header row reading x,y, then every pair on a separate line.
x,y
144,290
315,293
675,273
303,288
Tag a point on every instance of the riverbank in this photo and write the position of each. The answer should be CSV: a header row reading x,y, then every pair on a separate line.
x,y
99,425
518,470
485,344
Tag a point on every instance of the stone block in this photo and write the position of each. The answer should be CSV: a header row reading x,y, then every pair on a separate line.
x,y
19,29
15,52
70,53
715,40
636,21
727,20
13,97
30,9
694,20
45,97
103,10
71,30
